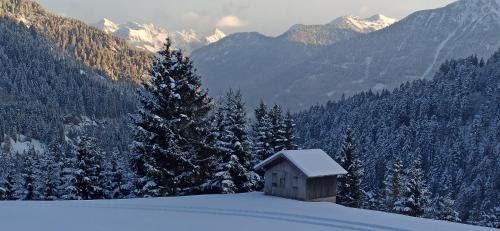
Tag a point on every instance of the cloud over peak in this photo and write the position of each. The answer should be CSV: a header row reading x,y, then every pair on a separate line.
x,y
230,21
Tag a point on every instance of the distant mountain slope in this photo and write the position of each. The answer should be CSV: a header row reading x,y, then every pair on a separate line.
x,y
342,28
43,91
409,49
93,47
151,38
247,60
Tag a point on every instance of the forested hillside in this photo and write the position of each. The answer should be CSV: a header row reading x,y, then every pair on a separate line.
x,y
44,92
110,55
452,122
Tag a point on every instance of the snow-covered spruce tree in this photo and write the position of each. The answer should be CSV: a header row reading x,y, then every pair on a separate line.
x,y
172,128
68,189
392,185
350,191
30,175
262,134
8,187
88,180
234,172
277,129
289,132
8,173
490,218
115,185
444,209
52,174
416,195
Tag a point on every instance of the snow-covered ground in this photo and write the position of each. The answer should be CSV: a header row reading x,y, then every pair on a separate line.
x,y
252,211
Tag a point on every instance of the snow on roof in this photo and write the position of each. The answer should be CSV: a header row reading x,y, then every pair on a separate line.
x,y
312,162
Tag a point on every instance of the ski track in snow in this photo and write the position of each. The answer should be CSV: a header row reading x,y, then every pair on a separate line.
x,y
275,216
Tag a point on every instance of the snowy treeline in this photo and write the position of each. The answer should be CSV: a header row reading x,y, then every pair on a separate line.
x,y
438,139
185,144
77,173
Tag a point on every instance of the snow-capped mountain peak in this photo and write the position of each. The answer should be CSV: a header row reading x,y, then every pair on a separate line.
x,y
150,37
107,25
218,35
366,25
342,28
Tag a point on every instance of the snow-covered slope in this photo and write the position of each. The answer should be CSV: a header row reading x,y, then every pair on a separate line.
x,y
22,144
410,49
244,212
366,25
342,28
151,38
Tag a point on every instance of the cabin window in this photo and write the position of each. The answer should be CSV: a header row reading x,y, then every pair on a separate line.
x,y
275,179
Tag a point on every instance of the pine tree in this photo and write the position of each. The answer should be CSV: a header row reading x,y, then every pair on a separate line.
x,y
115,185
393,185
29,188
350,192
445,210
51,177
262,134
171,131
415,198
9,176
277,129
289,132
490,218
89,172
233,173
8,187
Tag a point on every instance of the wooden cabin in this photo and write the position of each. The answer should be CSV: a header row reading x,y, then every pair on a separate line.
x,y
308,175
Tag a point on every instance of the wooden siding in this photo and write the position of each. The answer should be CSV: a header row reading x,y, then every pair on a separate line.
x,y
285,180
321,187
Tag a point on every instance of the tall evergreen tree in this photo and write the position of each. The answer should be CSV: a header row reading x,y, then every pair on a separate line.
x,y
416,195
89,172
171,131
289,132
262,134
52,174
29,188
8,187
115,185
234,172
277,129
350,191
8,174
393,185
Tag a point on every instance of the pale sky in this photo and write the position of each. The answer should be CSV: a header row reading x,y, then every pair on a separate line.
x,y
270,17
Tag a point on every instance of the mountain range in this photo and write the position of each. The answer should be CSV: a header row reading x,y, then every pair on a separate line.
x,y
150,37
298,73
342,28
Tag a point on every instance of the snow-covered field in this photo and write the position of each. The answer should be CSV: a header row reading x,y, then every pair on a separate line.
x,y
252,211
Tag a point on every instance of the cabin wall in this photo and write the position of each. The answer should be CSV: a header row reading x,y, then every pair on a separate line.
x,y
285,180
322,187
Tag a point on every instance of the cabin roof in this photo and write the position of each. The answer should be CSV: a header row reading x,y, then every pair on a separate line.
x,y
312,162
